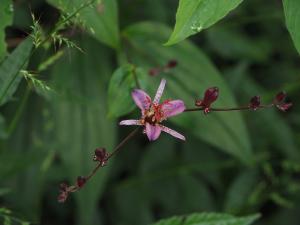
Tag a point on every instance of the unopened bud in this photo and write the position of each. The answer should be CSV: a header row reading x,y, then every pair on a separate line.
x,y
254,102
171,64
284,106
280,97
81,181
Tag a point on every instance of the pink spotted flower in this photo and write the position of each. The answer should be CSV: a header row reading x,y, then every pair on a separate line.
x,y
154,113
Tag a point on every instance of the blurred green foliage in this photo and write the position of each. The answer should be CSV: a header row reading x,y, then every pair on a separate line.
x,y
66,72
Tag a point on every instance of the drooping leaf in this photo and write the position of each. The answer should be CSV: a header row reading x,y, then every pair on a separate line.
x,y
194,16
101,20
80,120
292,17
208,219
6,16
193,75
10,68
123,80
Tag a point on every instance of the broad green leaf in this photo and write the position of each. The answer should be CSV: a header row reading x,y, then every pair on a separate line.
x,y
292,18
6,16
100,20
208,219
195,15
230,43
193,75
80,120
240,189
10,68
123,80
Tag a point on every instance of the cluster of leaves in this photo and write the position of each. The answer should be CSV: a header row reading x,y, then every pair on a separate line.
x,y
70,63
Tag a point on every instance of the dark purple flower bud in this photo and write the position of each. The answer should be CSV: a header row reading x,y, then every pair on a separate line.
x,y
81,181
171,64
210,96
101,156
63,187
62,197
154,71
198,102
254,102
284,106
280,97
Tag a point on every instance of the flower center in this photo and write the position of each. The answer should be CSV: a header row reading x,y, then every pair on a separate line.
x,y
154,115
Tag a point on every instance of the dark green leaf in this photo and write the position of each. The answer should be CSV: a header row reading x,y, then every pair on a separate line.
x,y
239,191
10,68
6,16
194,16
208,219
292,17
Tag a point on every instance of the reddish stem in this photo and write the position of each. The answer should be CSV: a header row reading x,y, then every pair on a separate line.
x,y
228,109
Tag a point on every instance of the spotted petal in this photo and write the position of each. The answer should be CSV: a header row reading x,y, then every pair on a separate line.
x,y
141,99
172,132
152,131
172,108
159,91
130,122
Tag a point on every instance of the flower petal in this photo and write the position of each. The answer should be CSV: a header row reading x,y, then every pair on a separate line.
x,y
159,91
152,132
130,122
141,99
172,108
172,132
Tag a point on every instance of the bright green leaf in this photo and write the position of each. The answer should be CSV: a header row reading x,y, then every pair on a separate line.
x,y
121,84
10,68
101,20
6,16
208,219
195,15
292,17
193,75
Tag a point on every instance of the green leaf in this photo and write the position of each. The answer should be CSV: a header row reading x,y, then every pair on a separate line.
x,y
239,191
231,43
292,17
6,16
121,84
80,120
194,16
208,219
10,68
193,75
3,131
4,191
101,20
